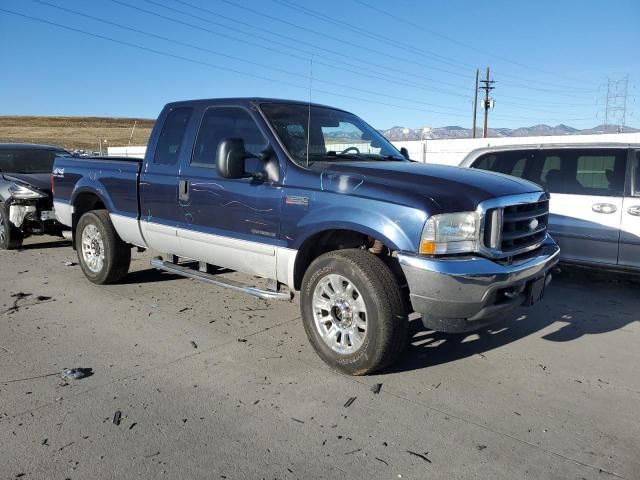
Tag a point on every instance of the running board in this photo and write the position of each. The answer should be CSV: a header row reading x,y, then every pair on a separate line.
x,y
159,264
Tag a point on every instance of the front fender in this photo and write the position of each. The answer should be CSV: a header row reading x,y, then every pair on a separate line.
x,y
398,227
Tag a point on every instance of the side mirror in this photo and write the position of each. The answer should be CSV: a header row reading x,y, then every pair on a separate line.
x,y
405,153
231,156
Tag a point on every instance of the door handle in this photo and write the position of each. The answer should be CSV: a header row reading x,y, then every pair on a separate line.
x,y
634,210
604,208
183,190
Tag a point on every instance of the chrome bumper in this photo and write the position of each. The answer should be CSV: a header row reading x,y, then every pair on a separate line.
x,y
467,293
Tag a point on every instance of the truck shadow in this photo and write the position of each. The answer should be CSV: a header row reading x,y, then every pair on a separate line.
x,y
575,305
45,245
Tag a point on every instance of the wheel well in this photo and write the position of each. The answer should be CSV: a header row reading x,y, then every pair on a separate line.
x,y
339,239
83,203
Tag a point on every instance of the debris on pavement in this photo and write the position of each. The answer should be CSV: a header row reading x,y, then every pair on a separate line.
x,y
184,309
383,461
296,420
419,455
194,344
349,402
116,417
242,340
481,447
70,264
76,373
376,388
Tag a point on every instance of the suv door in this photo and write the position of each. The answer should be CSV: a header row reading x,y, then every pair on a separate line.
x,y
232,223
586,187
630,230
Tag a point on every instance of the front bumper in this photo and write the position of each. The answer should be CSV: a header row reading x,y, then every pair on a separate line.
x,y
466,293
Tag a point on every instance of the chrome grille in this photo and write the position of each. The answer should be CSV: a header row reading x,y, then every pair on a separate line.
x,y
513,229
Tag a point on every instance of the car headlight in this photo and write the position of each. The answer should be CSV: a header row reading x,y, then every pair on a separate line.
x,y
450,233
22,192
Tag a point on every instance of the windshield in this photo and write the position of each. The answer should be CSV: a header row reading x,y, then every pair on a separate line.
x,y
334,136
24,160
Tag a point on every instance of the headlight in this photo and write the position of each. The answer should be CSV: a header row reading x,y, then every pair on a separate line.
x,y
22,192
450,233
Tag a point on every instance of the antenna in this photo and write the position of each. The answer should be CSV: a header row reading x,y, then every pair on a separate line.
x,y
309,112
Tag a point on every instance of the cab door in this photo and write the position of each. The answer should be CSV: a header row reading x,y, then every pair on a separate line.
x,y
159,210
233,223
586,187
630,231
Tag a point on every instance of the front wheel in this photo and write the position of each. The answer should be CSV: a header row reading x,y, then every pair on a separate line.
x,y
10,236
353,311
102,254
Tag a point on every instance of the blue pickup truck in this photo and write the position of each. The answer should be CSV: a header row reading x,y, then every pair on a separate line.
x,y
316,201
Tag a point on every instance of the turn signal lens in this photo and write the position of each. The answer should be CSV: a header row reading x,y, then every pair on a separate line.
x,y
427,248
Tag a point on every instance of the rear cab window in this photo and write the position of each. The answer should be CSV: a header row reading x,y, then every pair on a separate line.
x,y
172,136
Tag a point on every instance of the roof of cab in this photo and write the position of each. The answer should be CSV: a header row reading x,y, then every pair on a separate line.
x,y
243,101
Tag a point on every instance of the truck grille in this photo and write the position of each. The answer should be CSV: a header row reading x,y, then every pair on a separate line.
x,y
512,229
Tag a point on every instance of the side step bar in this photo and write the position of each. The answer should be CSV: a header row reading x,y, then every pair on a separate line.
x,y
160,264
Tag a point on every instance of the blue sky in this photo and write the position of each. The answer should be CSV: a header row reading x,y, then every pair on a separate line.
x,y
413,66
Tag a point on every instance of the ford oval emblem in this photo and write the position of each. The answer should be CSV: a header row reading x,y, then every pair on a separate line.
x,y
533,224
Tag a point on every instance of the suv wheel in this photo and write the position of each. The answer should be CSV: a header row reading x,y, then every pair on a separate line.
x,y
353,311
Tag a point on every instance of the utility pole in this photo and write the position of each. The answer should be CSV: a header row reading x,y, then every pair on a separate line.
x,y
488,102
475,104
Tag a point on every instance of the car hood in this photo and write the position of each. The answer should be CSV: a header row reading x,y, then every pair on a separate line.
x,y
435,188
41,181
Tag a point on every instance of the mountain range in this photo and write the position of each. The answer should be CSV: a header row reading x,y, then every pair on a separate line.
x,y
403,133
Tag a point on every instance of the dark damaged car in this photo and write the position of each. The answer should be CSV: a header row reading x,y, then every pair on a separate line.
x,y
26,203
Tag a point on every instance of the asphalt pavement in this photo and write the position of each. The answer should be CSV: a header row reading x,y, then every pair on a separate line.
x,y
191,381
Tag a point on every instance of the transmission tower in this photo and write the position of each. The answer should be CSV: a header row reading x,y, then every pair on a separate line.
x,y
615,112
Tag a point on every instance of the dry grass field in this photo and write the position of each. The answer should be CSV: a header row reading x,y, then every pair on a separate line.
x,y
82,133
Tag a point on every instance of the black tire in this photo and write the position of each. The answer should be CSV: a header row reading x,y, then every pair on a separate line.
x,y
10,237
386,318
117,254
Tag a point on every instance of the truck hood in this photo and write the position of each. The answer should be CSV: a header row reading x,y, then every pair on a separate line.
x,y
40,181
434,188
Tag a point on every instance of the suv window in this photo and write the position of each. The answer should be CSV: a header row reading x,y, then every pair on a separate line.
x,y
514,163
171,136
583,172
219,123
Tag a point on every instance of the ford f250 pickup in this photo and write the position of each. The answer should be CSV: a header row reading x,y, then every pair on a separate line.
x,y
313,199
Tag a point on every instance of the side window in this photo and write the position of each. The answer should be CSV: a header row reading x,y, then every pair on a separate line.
x,y
171,136
485,162
584,172
509,162
219,123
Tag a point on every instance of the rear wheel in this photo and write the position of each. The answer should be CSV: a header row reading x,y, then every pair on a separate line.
x,y
353,311
102,254
10,236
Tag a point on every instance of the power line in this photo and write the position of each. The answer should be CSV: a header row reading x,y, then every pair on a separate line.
x,y
381,38
281,52
616,103
223,68
404,21
296,41
215,66
232,57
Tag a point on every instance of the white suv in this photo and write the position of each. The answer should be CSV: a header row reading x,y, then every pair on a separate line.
x,y
595,196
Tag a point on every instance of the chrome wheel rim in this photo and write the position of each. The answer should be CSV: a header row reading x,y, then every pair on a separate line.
x,y
92,248
340,314
3,234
